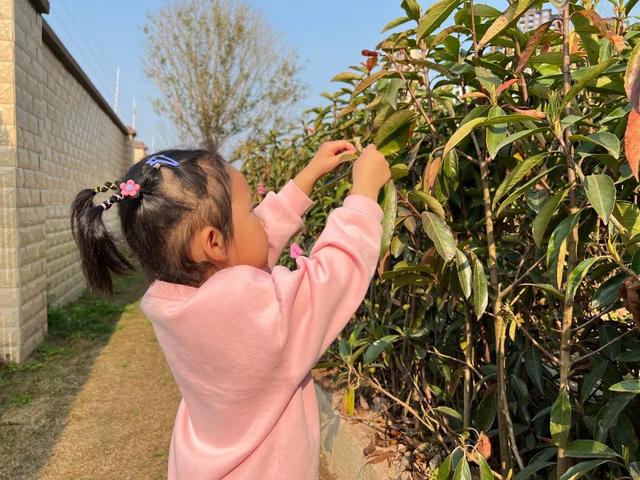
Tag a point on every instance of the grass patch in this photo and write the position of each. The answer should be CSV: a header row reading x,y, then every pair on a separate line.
x,y
92,317
36,396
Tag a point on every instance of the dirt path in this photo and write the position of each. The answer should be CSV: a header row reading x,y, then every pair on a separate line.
x,y
119,425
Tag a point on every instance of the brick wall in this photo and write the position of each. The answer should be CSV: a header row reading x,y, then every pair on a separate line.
x,y
58,138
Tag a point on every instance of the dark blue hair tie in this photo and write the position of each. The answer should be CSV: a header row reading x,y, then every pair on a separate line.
x,y
157,160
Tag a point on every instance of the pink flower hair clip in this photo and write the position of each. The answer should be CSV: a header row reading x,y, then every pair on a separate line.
x,y
129,189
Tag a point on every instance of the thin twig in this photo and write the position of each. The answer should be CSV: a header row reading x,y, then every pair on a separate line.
x,y
521,277
605,346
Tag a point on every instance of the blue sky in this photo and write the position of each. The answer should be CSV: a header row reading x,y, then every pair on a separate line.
x,y
328,36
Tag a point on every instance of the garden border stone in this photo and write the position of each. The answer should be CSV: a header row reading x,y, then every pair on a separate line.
x,y
343,442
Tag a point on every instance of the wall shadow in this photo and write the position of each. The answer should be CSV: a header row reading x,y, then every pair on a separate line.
x,y
37,396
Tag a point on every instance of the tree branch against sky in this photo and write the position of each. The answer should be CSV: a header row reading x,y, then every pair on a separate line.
x,y
222,72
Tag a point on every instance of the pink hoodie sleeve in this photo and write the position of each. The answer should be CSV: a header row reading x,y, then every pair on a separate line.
x,y
281,216
319,298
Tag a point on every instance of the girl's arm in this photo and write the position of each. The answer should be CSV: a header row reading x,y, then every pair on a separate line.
x,y
281,214
318,299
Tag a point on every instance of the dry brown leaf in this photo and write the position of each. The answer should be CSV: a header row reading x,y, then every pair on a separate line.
x,y
534,40
381,457
630,293
483,447
431,174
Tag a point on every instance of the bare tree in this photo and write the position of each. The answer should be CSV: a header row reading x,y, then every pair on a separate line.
x,y
221,70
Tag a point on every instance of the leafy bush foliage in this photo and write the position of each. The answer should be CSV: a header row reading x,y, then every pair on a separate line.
x,y
511,225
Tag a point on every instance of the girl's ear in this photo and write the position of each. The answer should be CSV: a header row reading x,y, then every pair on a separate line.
x,y
209,246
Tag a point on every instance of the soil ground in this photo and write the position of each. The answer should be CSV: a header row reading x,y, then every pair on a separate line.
x,y
96,401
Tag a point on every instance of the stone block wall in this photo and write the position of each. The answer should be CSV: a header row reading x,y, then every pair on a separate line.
x,y
57,136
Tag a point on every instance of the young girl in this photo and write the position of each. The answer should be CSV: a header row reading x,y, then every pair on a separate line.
x,y
239,333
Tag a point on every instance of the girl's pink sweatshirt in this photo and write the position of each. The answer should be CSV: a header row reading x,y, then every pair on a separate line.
x,y
241,346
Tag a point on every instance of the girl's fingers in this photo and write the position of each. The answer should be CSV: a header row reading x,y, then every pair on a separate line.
x,y
340,146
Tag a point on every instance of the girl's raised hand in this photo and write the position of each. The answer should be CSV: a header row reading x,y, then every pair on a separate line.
x,y
330,155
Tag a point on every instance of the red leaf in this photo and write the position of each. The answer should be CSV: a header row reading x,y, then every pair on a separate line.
x,y
537,114
632,142
371,62
369,53
505,85
533,42
601,25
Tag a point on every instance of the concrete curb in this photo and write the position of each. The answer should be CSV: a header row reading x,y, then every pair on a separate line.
x,y
342,442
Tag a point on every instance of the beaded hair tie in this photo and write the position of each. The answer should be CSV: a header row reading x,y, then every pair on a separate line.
x,y
128,189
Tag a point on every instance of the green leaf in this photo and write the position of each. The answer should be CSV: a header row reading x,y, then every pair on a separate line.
x,y
627,386
397,246
462,133
377,347
495,133
392,124
412,8
513,118
628,214
395,23
510,16
576,471
590,74
434,205
550,289
485,470
533,364
440,234
557,248
519,191
435,15
518,135
602,194
390,209
577,275
450,463
603,139
490,82
590,380
515,175
480,288
531,469
391,92
393,134
589,449
608,416
464,273
449,411
462,471
347,77
547,210
608,292
370,80
560,419
630,356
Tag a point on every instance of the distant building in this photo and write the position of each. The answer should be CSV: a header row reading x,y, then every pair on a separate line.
x,y
533,18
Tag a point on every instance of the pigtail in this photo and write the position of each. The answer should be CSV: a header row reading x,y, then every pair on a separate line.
x,y
99,254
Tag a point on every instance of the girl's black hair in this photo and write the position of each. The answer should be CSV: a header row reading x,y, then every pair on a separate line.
x,y
158,224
